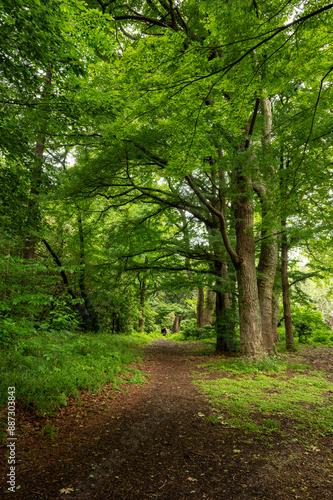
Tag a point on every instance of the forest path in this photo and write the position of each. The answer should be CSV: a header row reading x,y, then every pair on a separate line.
x,y
152,441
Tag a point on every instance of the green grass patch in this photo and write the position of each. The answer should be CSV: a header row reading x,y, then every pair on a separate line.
x,y
236,365
46,369
299,367
257,396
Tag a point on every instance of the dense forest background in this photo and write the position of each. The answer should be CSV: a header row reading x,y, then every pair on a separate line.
x,y
166,165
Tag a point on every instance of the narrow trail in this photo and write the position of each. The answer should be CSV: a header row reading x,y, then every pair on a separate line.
x,y
150,441
151,447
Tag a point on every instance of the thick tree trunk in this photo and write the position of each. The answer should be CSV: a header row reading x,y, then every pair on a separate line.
x,y
243,259
209,306
200,308
269,249
176,323
267,270
251,342
290,344
225,325
225,318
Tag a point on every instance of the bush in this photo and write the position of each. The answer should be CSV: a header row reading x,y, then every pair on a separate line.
x,y
303,331
309,326
193,332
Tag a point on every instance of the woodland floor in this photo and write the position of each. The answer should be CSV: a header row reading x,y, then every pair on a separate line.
x,y
153,441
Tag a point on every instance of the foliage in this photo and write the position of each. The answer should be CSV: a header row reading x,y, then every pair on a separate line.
x,y
309,325
145,135
48,368
191,332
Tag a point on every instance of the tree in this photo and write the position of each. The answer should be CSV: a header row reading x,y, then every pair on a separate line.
x,y
204,121
197,82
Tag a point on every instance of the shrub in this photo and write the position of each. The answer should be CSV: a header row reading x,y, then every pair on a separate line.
x,y
309,325
303,331
193,332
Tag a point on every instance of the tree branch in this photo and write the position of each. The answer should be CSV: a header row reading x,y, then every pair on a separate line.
x,y
233,255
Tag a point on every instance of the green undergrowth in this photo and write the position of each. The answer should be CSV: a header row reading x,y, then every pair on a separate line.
x,y
145,338
179,337
46,369
258,397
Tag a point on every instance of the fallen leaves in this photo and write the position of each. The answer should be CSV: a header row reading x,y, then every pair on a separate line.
x,y
66,491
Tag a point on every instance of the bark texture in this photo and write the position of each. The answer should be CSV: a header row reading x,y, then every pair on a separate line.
x,y
210,300
251,343
176,323
267,270
200,308
143,286
269,249
290,344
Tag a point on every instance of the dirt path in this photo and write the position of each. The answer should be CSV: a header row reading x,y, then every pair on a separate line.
x,y
153,441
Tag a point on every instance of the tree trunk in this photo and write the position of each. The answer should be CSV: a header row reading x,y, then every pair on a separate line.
x,y
275,317
209,306
79,308
267,270
176,323
200,308
225,319
225,331
142,304
330,322
251,342
143,288
290,344
269,249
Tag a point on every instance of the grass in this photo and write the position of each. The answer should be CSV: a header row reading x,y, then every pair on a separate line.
x,y
258,396
46,369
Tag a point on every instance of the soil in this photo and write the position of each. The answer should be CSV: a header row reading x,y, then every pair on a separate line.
x,y
153,441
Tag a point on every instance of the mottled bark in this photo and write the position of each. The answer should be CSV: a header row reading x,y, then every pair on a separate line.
x,y
267,270
251,342
209,306
269,249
